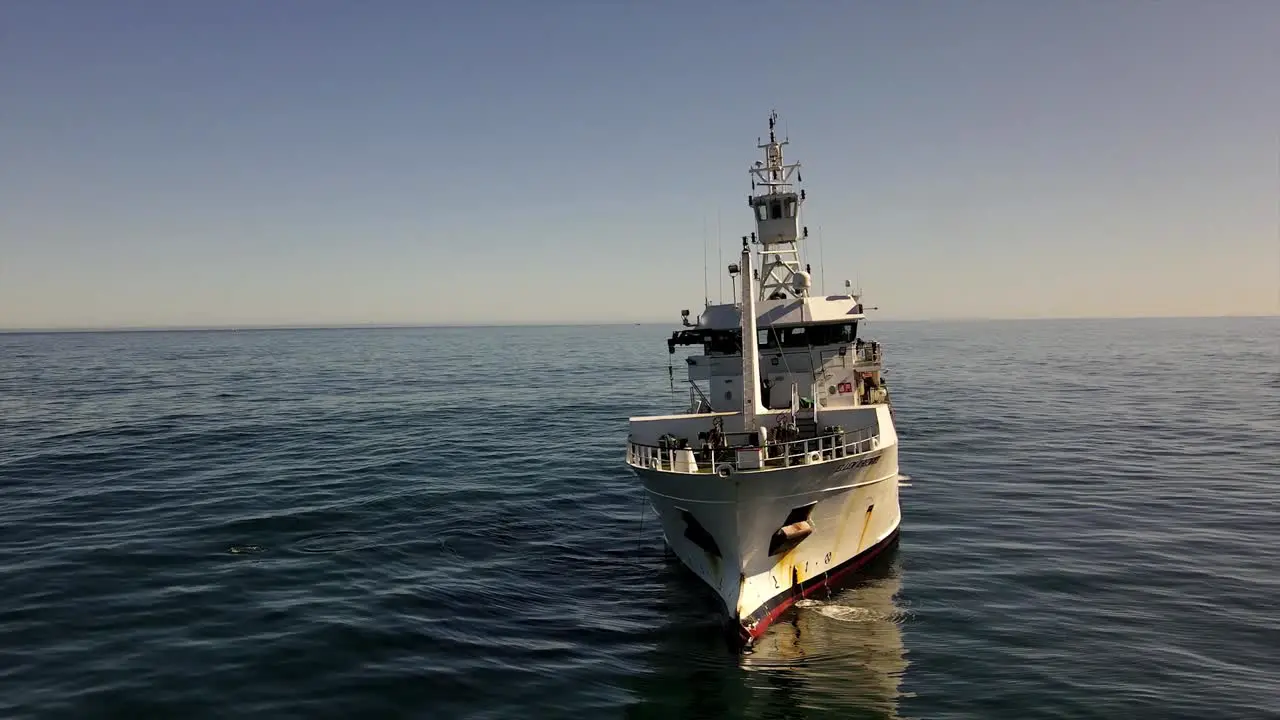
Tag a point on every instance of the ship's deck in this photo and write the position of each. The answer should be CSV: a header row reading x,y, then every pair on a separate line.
x,y
775,456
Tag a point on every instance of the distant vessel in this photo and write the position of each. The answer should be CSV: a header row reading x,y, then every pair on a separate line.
x,y
782,477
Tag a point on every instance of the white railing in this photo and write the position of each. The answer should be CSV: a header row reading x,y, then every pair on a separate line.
x,y
820,449
825,448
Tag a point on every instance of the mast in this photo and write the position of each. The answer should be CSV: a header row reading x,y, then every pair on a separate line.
x,y
776,205
751,407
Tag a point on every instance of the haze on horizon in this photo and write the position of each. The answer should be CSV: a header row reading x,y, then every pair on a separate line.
x,y
241,163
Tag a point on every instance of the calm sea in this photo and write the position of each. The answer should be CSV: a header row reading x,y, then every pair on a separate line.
x,y
437,523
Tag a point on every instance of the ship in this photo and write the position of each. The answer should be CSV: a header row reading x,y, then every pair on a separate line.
x,y
781,479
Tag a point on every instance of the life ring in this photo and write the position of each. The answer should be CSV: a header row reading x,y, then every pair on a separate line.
x,y
724,470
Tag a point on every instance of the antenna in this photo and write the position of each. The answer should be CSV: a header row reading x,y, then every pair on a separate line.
x,y
706,292
720,259
822,264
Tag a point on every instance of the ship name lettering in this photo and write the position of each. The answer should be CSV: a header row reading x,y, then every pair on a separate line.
x,y
850,465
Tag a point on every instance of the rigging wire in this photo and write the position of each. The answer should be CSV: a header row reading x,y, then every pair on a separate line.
x,y
671,377
640,539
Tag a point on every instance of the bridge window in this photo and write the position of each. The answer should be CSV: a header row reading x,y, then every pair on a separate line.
x,y
841,334
795,337
725,342
791,337
775,210
762,212
791,207
809,336
729,342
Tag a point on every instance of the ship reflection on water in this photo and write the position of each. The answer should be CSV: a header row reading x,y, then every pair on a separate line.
x,y
840,655
841,652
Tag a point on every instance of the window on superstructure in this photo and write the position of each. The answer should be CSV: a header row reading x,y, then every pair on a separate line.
x,y
725,342
833,334
775,210
785,338
796,337
762,213
791,207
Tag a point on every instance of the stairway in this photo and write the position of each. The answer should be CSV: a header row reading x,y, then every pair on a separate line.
x,y
807,426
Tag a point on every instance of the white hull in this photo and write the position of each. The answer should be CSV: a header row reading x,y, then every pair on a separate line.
x,y
782,476
855,515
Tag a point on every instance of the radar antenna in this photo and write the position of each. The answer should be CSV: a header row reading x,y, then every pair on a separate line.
x,y
776,205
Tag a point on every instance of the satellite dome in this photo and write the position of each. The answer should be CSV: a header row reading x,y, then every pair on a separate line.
x,y
800,281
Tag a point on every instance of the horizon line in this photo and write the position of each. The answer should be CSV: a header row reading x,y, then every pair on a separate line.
x,y
235,327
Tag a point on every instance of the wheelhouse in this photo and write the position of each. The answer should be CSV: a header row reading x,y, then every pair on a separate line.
x,y
729,341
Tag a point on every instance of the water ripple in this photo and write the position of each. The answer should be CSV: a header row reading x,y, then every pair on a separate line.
x,y
435,523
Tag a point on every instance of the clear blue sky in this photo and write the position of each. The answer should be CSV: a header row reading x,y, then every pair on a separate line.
x,y
309,161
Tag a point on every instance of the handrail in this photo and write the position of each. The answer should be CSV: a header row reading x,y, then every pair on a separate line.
x,y
694,407
703,461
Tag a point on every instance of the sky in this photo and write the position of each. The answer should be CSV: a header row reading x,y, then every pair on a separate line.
x,y
304,162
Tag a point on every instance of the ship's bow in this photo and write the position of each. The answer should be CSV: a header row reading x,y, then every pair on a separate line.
x,y
762,540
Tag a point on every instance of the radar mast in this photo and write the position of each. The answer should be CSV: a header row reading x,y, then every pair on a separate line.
x,y
776,205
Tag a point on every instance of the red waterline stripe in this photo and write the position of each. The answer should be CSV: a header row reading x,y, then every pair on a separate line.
x,y
788,597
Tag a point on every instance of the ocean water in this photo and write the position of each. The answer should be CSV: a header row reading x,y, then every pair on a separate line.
x,y
437,523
